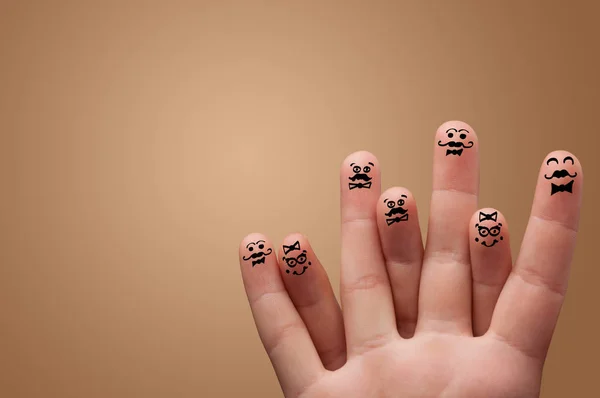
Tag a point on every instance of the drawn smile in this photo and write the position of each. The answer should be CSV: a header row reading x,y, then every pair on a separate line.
x,y
493,243
303,271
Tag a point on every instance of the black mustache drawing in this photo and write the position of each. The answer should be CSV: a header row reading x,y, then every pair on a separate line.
x,y
258,257
391,221
360,176
456,144
560,174
396,210
568,187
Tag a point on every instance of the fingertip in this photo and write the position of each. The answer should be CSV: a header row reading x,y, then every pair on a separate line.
x,y
488,228
254,249
296,255
455,135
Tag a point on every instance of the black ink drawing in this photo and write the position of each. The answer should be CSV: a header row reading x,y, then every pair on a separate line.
x,y
459,145
400,213
358,176
292,262
561,173
492,231
258,254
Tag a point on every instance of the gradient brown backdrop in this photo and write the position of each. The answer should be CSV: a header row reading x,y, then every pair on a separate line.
x,y
141,141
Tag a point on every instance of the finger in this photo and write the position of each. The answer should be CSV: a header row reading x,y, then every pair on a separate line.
x,y
281,329
445,293
491,263
530,302
365,290
308,286
403,251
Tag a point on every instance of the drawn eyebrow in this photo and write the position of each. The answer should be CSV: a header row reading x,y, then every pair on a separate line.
x,y
568,158
452,129
463,130
385,200
352,164
255,243
371,164
404,196
551,159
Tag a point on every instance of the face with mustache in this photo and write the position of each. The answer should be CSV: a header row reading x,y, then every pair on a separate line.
x,y
257,252
361,178
564,178
489,234
457,140
396,214
298,261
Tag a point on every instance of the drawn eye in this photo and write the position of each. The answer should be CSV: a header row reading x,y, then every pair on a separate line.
x,y
366,169
291,262
551,160
483,231
261,246
301,258
400,202
356,169
251,248
450,135
494,231
567,159
391,204
463,136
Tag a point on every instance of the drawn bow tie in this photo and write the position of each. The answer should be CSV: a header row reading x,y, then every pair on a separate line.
x,y
568,187
360,185
390,221
295,246
492,217
259,261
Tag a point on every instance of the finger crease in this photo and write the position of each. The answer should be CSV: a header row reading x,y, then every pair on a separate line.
x,y
534,278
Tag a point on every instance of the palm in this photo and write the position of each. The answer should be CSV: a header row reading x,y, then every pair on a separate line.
x,y
435,366
453,319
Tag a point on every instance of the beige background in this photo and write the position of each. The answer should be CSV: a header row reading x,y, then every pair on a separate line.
x,y
141,141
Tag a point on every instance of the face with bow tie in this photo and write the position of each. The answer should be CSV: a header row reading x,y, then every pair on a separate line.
x,y
296,262
396,214
457,141
563,176
489,234
257,252
361,178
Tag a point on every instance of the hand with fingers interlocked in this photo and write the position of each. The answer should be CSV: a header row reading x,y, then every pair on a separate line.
x,y
453,319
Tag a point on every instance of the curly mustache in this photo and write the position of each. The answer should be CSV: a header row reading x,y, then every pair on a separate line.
x,y
455,144
396,210
560,174
258,254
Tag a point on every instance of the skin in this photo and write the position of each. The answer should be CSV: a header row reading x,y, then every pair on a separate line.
x,y
452,319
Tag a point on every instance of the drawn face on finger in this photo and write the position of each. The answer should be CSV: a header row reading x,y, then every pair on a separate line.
x,y
361,178
561,174
491,232
456,141
396,213
297,263
256,252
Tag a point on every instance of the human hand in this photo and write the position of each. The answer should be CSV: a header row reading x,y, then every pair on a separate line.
x,y
455,319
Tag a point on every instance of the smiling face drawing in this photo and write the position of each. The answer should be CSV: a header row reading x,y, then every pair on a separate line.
x,y
456,139
396,213
257,252
489,234
561,174
361,174
299,261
